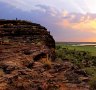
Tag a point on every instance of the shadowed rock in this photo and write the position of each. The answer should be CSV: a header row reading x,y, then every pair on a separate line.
x,y
26,53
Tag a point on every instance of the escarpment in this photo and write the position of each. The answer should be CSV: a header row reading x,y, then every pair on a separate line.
x,y
22,43
24,32
27,51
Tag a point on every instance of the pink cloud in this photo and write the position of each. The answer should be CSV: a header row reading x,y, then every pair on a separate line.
x,y
85,23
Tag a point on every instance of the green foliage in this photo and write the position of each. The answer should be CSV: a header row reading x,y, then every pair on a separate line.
x,y
90,49
90,70
92,83
81,58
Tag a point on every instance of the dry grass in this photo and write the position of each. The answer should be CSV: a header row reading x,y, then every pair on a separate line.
x,y
47,63
1,72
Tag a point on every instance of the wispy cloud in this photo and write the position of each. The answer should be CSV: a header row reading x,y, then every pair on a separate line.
x,y
47,9
77,6
25,5
63,24
86,23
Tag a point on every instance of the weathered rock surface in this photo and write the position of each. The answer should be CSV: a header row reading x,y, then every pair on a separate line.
x,y
57,77
24,32
26,54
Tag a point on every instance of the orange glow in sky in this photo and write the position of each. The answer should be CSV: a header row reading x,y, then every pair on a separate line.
x,y
67,20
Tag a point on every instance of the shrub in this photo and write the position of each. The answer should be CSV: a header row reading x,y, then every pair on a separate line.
x,y
92,83
80,58
90,71
47,64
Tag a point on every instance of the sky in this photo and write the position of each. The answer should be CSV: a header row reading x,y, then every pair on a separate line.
x,y
67,20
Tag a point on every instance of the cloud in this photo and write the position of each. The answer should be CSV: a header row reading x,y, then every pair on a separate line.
x,y
24,5
28,5
48,9
85,26
86,23
64,13
63,25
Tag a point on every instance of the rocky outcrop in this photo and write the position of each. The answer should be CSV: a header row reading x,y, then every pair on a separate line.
x,y
27,51
21,44
43,77
25,32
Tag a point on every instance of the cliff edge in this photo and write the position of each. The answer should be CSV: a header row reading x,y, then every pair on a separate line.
x,y
20,32
27,52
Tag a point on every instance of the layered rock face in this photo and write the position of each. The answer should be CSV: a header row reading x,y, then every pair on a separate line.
x,y
21,44
24,32
26,54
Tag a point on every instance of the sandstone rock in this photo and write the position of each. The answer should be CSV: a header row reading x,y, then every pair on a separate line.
x,y
20,32
26,53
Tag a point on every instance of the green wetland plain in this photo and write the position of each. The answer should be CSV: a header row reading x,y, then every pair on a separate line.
x,y
83,46
81,54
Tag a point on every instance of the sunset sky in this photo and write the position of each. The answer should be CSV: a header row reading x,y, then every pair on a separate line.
x,y
67,20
